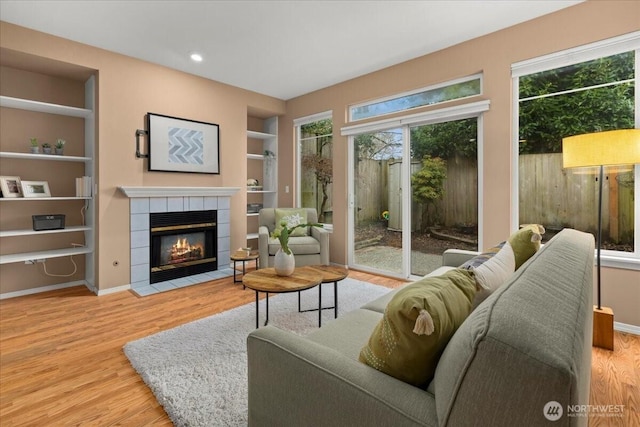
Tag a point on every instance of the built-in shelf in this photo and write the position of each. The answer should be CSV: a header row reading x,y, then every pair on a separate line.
x,y
41,199
44,107
28,232
253,214
260,135
53,253
55,157
255,156
252,236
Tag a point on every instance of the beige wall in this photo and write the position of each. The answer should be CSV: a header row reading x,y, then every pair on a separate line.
x,y
492,55
127,89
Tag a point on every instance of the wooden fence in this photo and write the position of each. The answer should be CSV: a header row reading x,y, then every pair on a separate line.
x,y
561,198
549,195
378,188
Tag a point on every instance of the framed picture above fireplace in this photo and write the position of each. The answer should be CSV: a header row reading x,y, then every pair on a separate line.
x,y
182,145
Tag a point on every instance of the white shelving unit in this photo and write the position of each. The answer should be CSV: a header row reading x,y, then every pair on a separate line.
x,y
88,229
268,196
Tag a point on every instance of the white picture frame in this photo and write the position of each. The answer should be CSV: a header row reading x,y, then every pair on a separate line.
x,y
34,189
10,186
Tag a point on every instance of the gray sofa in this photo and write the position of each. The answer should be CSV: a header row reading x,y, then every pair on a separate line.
x,y
529,343
312,249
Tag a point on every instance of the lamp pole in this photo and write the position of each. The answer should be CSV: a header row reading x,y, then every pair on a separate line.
x,y
599,231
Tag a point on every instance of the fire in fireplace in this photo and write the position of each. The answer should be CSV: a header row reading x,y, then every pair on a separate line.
x,y
182,244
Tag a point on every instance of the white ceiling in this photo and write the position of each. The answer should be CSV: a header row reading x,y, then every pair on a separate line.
x,y
278,48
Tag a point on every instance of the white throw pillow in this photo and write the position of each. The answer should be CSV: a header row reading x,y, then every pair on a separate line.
x,y
493,273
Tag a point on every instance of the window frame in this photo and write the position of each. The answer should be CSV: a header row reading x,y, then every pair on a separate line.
x,y
297,124
616,45
478,76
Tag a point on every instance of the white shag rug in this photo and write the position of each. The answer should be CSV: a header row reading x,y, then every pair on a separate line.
x,y
198,371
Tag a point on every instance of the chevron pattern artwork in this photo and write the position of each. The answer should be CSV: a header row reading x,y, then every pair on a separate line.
x,y
185,146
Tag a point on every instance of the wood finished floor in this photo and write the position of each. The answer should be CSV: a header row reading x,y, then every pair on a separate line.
x,y
61,359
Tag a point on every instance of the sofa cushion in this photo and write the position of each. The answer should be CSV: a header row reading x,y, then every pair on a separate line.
x,y
417,324
303,245
292,217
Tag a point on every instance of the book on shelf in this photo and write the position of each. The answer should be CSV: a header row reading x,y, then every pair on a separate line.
x,y
83,186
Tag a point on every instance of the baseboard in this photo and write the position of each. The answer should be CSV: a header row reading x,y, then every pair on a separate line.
x,y
41,289
102,292
624,327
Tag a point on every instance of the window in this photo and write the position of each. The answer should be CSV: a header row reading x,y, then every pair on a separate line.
x,y
456,89
586,90
315,164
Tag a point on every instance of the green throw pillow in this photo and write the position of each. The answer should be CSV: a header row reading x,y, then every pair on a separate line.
x,y
526,242
417,325
293,217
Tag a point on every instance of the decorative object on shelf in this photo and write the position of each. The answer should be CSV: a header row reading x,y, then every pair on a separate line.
x,y
616,147
60,146
269,169
254,207
46,148
48,222
35,145
284,262
10,186
181,145
253,185
35,189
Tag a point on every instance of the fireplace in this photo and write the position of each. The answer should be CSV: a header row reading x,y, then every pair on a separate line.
x,y
182,244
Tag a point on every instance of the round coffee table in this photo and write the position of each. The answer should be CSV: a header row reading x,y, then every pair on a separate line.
x,y
330,273
266,280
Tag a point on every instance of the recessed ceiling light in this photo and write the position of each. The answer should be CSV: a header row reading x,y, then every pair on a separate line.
x,y
196,57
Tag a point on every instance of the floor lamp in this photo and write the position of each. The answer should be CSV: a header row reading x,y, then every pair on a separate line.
x,y
616,147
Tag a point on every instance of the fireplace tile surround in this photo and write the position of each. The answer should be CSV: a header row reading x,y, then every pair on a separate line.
x,y
146,200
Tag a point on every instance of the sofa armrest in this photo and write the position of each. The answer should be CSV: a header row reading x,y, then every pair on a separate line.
x,y
457,257
295,381
263,246
322,235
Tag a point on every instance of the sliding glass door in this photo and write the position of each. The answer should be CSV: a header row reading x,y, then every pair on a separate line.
x,y
414,195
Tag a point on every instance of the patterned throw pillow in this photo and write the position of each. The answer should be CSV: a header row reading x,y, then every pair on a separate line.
x,y
293,217
417,325
485,256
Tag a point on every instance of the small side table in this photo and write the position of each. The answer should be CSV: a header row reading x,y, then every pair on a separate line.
x,y
243,258
330,273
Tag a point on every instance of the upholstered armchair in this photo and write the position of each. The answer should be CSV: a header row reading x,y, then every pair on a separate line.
x,y
309,249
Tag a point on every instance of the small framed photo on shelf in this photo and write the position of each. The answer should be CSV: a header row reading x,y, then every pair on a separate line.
x,y
10,186
35,189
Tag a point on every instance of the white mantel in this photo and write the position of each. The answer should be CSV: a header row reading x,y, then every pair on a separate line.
x,y
147,200
133,192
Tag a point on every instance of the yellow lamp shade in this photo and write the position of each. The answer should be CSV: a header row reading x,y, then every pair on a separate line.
x,y
616,147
